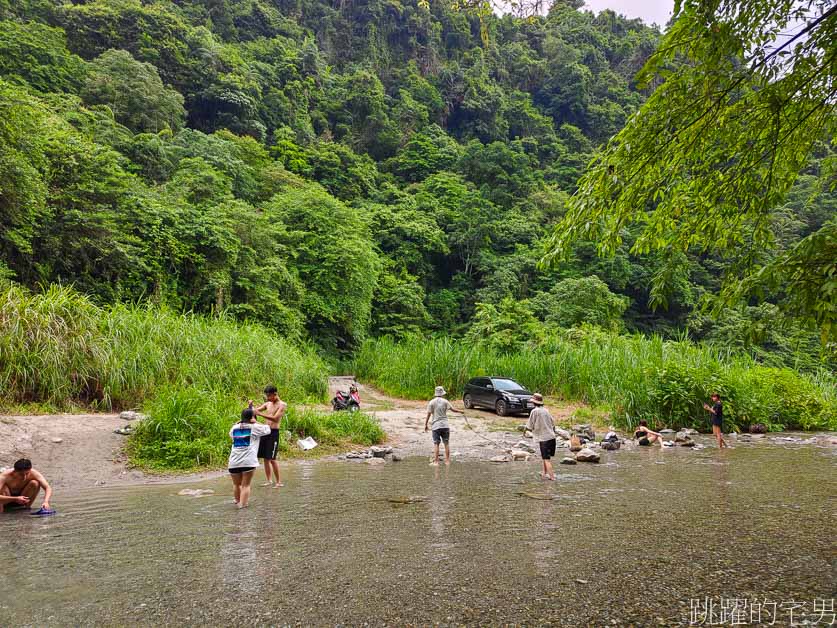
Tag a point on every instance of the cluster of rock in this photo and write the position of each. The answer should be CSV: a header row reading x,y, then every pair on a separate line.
x,y
683,438
373,455
579,441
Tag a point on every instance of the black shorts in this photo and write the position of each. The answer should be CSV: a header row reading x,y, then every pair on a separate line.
x,y
442,434
269,445
719,421
547,448
644,441
237,470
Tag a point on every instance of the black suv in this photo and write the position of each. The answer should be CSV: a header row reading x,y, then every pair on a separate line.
x,y
501,394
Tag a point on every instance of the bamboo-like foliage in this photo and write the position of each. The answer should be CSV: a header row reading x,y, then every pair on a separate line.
x,y
58,348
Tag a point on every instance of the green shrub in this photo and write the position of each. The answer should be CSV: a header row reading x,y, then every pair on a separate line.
x,y
189,428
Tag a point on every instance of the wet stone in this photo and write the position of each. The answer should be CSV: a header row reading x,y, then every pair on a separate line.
x,y
587,455
568,460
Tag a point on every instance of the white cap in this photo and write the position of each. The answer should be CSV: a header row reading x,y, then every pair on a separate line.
x,y
440,391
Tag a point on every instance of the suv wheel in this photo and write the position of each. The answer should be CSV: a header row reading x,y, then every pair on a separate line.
x,y
501,408
466,401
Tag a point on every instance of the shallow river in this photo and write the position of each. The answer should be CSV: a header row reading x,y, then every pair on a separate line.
x,y
634,540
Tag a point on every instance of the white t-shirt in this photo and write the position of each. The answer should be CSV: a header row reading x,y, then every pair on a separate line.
x,y
438,410
245,446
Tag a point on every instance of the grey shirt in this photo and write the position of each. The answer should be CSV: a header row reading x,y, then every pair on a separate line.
x,y
438,410
541,424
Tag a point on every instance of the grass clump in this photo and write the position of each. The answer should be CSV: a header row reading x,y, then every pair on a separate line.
x,y
189,429
636,377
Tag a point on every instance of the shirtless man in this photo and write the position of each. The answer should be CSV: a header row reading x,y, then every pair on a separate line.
x,y
272,411
20,486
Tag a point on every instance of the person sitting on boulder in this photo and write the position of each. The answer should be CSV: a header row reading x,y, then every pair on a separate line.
x,y
542,426
20,485
645,436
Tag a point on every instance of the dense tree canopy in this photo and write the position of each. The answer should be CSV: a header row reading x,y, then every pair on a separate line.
x,y
747,97
340,170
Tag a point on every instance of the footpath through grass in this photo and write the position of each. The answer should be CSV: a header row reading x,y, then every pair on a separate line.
x,y
191,374
635,376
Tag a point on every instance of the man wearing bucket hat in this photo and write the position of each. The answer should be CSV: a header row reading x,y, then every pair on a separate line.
x,y
542,427
437,419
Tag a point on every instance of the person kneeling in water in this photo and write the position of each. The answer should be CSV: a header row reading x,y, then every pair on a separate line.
x,y
245,436
646,437
20,486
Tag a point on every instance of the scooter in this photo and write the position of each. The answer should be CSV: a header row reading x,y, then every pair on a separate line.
x,y
347,401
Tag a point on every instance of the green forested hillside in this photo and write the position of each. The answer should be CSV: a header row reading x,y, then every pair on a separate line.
x,y
339,170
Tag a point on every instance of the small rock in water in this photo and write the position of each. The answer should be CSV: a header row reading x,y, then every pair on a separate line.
x,y
611,445
57,440
524,446
378,452
499,459
587,455
195,492
519,454
397,457
667,430
688,431
131,415
568,460
562,433
580,581
375,461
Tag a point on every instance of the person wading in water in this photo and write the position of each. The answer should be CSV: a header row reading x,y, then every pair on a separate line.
x,y
272,411
243,461
717,411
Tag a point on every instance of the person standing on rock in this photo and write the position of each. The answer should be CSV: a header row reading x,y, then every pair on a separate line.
x,y
20,485
272,411
437,410
244,459
542,426
717,411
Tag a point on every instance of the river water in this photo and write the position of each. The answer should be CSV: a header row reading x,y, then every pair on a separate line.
x,y
637,539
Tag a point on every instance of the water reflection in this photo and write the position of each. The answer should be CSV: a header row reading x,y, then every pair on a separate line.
x,y
330,547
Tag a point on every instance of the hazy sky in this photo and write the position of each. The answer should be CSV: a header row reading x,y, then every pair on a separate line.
x,y
657,11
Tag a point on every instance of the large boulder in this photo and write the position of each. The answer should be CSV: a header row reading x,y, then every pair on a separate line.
x,y
587,455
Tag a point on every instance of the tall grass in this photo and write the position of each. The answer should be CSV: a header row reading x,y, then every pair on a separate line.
x,y
638,377
59,348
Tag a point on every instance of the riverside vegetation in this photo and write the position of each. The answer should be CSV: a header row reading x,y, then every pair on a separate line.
x,y
192,374
285,183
